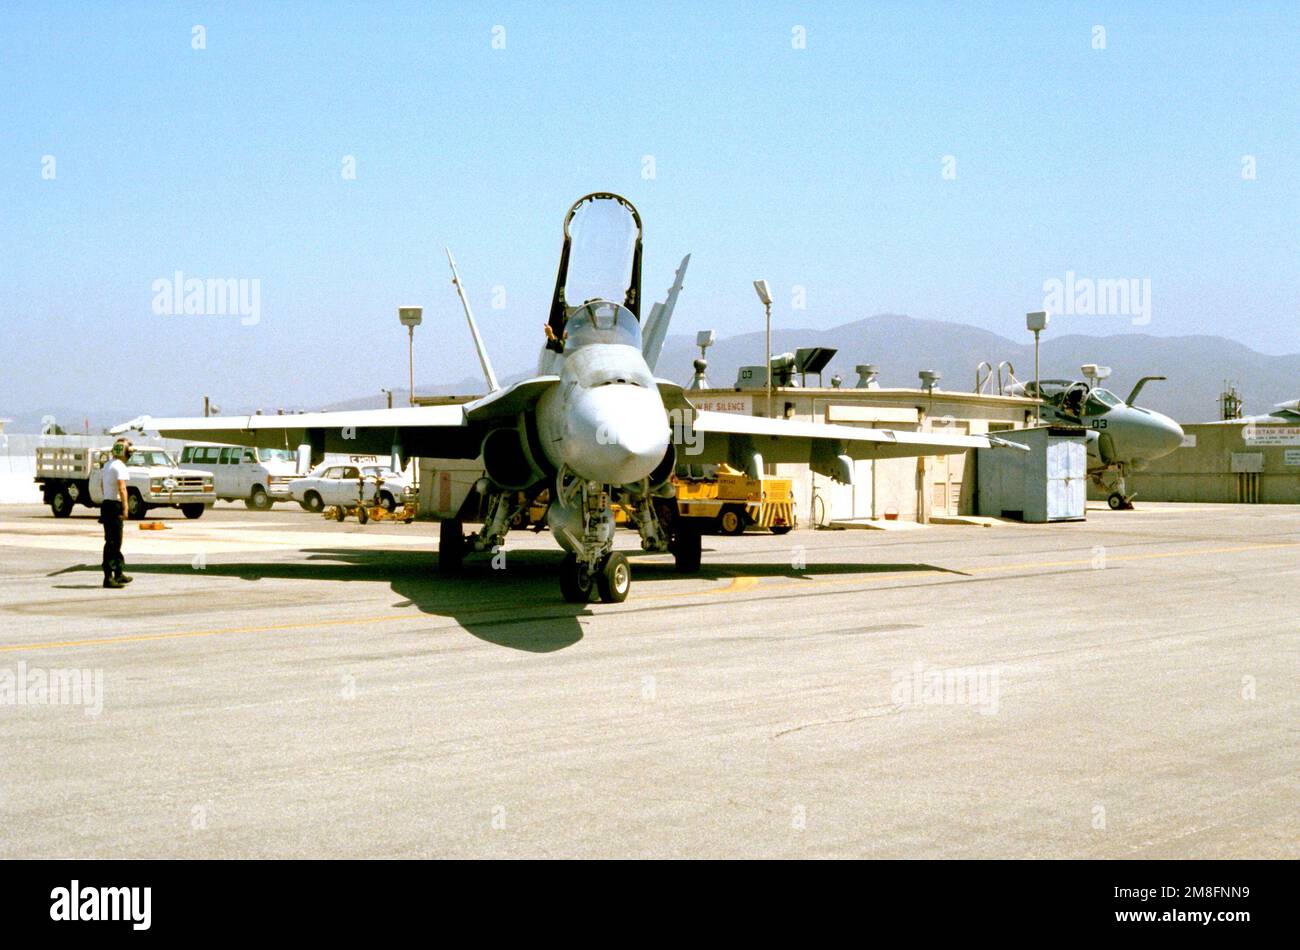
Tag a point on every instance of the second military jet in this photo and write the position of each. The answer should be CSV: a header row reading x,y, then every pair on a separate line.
x,y
1127,437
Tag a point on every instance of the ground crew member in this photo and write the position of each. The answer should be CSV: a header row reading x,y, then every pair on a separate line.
x,y
112,512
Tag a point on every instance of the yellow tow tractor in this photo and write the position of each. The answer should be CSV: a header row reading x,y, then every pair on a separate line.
x,y
531,512
372,509
730,501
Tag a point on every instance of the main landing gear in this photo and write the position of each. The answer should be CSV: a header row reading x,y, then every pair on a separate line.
x,y
451,546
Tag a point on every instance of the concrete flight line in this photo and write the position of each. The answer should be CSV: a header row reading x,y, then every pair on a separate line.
x,y
736,585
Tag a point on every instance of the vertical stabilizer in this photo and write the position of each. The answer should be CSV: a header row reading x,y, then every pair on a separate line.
x,y
488,372
661,314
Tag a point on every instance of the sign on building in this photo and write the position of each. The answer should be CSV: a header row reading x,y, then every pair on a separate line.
x,y
741,404
1247,462
1270,435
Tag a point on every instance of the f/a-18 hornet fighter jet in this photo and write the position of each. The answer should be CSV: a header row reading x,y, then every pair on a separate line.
x,y
593,429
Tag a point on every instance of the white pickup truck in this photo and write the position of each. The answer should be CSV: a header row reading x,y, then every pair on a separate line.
x,y
72,476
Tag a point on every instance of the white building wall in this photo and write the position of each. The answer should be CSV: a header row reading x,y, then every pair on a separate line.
x,y
903,488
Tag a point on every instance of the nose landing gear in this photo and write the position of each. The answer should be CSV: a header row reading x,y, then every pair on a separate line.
x,y
1119,498
591,566
611,578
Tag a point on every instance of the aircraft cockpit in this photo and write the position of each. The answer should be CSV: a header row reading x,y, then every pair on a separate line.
x,y
1100,401
602,321
1075,399
600,263
1083,400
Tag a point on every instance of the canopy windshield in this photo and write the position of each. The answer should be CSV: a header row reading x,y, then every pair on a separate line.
x,y
1100,400
603,234
604,323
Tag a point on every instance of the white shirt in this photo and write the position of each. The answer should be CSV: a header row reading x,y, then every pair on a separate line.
x,y
114,474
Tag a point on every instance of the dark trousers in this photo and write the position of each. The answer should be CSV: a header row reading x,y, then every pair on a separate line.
x,y
110,516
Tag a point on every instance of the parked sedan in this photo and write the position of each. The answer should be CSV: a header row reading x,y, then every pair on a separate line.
x,y
342,485
394,486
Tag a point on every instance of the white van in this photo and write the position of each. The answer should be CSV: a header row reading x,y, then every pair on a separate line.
x,y
260,477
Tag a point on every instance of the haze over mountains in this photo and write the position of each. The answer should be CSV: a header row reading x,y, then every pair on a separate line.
x,y
900,346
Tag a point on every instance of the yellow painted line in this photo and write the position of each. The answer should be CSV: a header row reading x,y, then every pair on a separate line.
x,y
187,634
276,628
1079,562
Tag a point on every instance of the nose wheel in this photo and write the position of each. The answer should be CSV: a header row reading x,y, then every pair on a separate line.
x,y
615,579
611,579
575,580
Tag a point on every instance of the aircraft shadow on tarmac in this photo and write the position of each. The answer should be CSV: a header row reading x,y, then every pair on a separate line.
x,y
518,607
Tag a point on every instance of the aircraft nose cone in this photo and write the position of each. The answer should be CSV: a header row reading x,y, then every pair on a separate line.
x,y
617,434
1171,436
1154,436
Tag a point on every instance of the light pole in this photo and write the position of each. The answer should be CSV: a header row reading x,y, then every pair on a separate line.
x,y
765,295
410,317
1037,322
389,394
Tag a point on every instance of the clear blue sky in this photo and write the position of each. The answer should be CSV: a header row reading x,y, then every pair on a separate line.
x,y
817,167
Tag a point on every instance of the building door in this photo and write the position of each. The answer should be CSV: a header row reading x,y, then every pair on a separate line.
x,y
843,502
947,473
863,489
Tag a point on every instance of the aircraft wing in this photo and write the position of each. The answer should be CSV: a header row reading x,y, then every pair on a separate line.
x,y
828,449
678,406
509,402
440,431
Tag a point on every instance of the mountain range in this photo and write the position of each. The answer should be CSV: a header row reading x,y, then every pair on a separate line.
x,y
1197,367
900,346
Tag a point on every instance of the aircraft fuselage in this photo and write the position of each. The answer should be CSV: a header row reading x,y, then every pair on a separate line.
x,y
605,420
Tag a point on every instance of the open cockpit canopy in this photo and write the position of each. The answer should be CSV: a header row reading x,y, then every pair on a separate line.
x,y
600,259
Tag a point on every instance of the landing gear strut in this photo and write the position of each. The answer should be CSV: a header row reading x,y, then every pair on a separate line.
x,y
584,519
